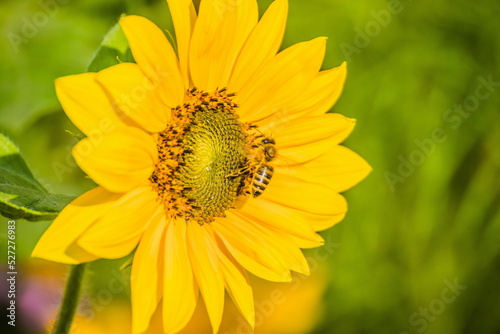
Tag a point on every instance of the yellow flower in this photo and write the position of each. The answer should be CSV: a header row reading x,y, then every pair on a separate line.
x,y
211,161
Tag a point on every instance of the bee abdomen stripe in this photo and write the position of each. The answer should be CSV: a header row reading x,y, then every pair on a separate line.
x,y
258,186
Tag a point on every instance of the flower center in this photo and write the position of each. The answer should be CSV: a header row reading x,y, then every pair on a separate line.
x,y
203,157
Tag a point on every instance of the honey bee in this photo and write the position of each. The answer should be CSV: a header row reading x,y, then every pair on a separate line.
x,y
263,169
258,170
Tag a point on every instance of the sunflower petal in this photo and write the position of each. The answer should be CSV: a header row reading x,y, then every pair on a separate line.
x,y
262,44
303,139
320,96
285,75
286,248
323,222
220,31
339,168
306,130
86,104
120,161
76,252
135,95
237,284
179,288
287,220
125,221
250,250
73,220
291,191
155,56
184,17
203,256
259,249
147,271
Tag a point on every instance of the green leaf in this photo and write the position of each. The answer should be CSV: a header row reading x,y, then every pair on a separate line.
x,y
21,195
113,50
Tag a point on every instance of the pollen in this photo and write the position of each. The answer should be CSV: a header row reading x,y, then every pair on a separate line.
x,y
200,154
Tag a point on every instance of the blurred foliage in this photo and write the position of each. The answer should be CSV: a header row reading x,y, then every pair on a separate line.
x,y
21,195
113,49
428,215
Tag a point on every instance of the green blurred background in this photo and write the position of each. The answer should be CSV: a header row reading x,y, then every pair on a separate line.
x,y
419,251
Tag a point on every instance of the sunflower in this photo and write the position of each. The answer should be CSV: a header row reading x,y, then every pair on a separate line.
x,y
211,160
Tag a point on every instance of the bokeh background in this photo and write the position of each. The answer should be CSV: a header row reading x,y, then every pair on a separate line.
x,y
419,251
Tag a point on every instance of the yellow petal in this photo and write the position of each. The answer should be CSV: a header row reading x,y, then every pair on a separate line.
x,y
203,257
293,192
306,138
262,44
306,130
237,284
286,248
264,252
117,232
73,220
220,32
119,161
155,56
250,250
277,82
135,95
179,289
76,252
184,17
324,222
286,220
86,104
290,198
147,276
285,244
322,93
300,154
339,168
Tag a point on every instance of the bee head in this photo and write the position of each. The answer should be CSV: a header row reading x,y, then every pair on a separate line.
x,y
268,141
269,153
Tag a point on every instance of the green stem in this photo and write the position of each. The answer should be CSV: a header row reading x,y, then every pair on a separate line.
x,y
70,300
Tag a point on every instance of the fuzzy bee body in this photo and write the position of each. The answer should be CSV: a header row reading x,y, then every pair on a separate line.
x,y
263,171
261,179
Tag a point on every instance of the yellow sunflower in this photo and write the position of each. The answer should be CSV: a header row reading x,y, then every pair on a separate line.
x,y
212,160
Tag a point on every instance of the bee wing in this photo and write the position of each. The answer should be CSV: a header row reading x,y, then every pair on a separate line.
x,y
281,161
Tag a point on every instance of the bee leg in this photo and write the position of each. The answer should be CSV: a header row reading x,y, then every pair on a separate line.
x,y
249,126
239,172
